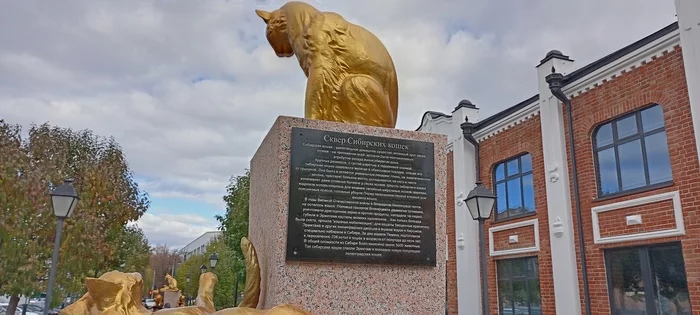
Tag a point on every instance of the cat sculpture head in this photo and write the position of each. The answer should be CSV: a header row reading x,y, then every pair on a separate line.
x,y
172,283
285,24
276,32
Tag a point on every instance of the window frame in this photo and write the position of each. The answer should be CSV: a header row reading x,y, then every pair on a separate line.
x,y
505,180
511,279
647,272
616,143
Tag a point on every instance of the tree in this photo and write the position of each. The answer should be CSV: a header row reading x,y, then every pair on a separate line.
x,y
163,260
92,237
234,224
24,224
133,252
191,266
226,272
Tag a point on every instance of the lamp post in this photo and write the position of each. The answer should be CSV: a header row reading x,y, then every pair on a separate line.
x,y
187,286
480,203
212,261
203,268
236,295
64,199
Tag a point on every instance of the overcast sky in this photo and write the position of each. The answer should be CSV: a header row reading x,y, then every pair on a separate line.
x,y
189,88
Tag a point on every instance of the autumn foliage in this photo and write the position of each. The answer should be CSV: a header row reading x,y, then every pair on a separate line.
x,y
96,237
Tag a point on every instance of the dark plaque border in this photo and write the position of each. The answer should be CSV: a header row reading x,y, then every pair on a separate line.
x,y
300,154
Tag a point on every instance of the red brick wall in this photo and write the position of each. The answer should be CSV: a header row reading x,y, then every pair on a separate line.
x,y
526,238
656,216
525,137
451,238
660,81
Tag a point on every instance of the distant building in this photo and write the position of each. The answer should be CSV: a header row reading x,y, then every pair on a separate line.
x,y
199,245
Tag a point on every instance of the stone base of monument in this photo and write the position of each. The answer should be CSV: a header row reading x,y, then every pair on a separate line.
x,y
350,219
172,298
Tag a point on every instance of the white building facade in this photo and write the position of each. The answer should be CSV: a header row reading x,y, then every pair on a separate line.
x,y
199,245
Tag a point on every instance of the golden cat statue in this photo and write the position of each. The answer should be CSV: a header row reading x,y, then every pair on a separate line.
x,y
119,293
172,283
112,293
351,76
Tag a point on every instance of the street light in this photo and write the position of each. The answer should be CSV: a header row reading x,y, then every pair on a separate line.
x,y
64,199
480,204
212,261
236,294
187,279
203,268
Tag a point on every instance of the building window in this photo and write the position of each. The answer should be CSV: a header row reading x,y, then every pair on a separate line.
x,y
519,286
632,153
647,280
514,189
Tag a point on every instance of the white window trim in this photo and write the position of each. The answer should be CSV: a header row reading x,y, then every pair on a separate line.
x,y
677,213
511,226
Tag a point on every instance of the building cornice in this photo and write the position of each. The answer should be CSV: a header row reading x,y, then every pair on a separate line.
x,y
493,128
436,118
577,84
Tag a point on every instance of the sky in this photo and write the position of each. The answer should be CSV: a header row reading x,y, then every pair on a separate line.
x,y
190,88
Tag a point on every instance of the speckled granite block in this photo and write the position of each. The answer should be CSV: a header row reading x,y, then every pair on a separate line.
x,y
337,288
171,297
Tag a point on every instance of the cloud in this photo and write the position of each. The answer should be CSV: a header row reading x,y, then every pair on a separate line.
x,y
190,88
174,230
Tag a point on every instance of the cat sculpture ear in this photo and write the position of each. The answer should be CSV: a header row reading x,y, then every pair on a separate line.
x,y
264,15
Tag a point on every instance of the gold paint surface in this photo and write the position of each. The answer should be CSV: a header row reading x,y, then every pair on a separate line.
x,y
351,76
251,293
112,293
119,293
172,283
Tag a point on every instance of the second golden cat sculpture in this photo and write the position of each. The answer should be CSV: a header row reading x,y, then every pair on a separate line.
x,y
119,293
351,76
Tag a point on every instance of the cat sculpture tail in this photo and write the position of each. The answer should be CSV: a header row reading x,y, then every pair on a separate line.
x,y
251,295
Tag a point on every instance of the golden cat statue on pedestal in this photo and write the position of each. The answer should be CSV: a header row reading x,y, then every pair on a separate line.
x,y
351,76
172,283
119,293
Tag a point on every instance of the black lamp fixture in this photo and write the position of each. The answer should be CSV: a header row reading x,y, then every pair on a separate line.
x,y
212,260
187,279
203,268
480,202
64,199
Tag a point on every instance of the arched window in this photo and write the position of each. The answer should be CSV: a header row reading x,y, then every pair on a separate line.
x,y
631,152
514,189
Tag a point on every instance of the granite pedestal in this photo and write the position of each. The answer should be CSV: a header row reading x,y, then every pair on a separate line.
x,y
172,298
404,285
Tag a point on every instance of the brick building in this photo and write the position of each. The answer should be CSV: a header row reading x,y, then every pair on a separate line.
x,y
612,227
